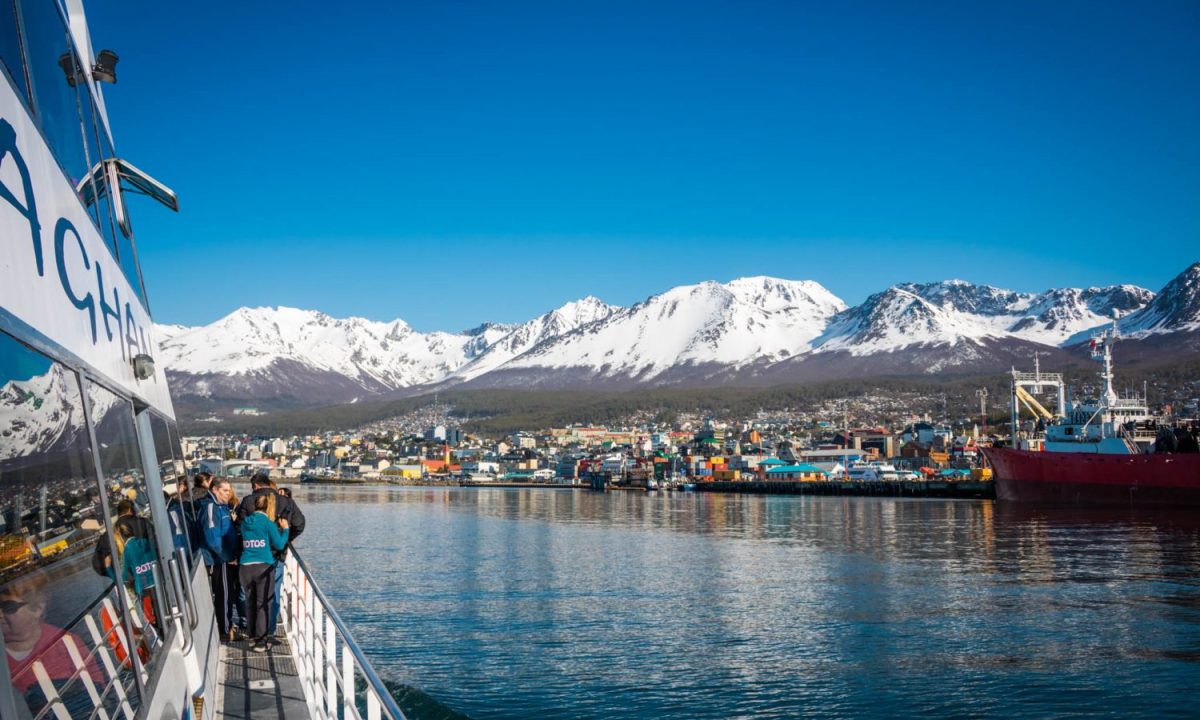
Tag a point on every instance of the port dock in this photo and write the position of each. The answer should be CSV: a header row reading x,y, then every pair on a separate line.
x,y
965,489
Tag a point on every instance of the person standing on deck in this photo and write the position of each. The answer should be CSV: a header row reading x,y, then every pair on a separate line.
x,y
285,509
260,536
220,551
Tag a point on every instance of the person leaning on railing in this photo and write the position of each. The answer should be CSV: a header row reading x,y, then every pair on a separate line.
x,y
285,509
260,537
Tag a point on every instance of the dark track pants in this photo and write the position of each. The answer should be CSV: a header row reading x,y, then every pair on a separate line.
x,y
258,580
223,577
273,621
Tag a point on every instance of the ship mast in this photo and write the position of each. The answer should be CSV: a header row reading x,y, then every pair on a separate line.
x,y
1102,346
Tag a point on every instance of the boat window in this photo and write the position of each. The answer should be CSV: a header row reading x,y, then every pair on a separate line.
x,y
55,98
93,189
124,483
58,600
120,240
10,49
180,509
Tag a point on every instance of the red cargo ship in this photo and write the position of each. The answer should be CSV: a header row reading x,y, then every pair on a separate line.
x,y
1095,453
1091,478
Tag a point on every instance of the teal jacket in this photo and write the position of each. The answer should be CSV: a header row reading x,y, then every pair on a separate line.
x,y
259,537
139,564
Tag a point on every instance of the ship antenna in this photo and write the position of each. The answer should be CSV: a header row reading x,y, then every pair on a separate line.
x,y
1104,351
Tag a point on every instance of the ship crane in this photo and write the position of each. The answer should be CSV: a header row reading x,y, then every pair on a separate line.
x,y
1032,403
1025,385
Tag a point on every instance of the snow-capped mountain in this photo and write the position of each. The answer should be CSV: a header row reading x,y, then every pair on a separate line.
x,y
38,414
374,355
1176,308
954,313
682,332
1055,316
521,338
750,330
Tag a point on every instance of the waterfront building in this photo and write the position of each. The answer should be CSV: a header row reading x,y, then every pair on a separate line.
x,y
803,472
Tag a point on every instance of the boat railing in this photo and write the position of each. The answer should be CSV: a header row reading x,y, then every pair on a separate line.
x,y
338,680
1047,378
1130,441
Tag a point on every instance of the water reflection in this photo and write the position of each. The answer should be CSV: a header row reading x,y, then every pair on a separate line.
x,y
567,603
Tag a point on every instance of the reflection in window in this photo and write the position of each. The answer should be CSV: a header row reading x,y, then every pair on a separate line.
x,y
124,247
181,510
96,210
55,102
124,481
58,607
10,47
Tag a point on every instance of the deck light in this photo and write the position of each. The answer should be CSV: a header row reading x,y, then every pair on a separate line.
x,y
143,366
105,69
70,68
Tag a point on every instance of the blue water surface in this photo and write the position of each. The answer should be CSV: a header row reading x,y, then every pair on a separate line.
x,y
519,603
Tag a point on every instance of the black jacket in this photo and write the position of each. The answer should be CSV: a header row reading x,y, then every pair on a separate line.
x,y
285,509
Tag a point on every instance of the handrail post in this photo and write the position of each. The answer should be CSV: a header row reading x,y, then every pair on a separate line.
x,y
330,669
317,669
349,707
316,633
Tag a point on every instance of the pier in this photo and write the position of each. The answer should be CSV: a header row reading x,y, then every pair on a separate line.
x,y
966,489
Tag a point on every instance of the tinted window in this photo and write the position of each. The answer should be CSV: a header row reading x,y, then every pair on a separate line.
x,y
10,46
125,253
97,207
180,509
124,483
55,102
59,609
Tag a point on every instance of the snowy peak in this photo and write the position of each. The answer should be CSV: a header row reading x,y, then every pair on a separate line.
x,y
734,324
953,311
38,413
772,294
895,318
584,311
1176,307
528,335
1055,316
373,354
962,296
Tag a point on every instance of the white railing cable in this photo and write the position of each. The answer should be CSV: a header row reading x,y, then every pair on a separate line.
x,y
317,633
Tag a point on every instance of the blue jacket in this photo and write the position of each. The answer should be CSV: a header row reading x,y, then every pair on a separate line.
x,y
180,531
139,564
259,536
219,532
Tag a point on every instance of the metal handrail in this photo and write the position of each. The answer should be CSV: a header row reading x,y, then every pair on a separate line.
x,y
374,683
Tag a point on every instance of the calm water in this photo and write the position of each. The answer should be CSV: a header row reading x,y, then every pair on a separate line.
x,y
565,603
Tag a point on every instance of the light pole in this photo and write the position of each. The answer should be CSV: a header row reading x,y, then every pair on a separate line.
x,y
982,394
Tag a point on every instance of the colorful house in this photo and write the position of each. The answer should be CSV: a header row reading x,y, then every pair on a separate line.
x,y
797,473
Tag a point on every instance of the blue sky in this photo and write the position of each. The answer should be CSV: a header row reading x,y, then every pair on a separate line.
x,y
450,162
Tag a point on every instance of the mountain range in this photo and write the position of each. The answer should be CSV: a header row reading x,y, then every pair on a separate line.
x,y
750,331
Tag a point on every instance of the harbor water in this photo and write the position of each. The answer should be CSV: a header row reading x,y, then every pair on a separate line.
x,y
518,603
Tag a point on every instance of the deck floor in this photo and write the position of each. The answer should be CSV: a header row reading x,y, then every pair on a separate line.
x,y
260,685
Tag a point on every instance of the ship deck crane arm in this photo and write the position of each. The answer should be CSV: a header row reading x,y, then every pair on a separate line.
x,y
1032,403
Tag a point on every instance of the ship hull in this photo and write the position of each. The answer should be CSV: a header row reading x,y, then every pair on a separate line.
x,y
1095,479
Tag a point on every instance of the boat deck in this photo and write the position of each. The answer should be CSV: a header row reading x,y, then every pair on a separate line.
x,y
259,685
